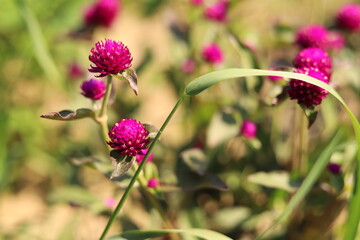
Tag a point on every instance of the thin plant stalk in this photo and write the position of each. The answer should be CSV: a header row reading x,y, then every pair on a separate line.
x,y
141,166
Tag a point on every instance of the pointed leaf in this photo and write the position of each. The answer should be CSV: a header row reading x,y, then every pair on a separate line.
x,y
131,76
275,179
68,115
153,130
195,159
148,234
310,113
121,163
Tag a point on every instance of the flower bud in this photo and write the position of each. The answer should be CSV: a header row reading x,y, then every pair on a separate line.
x,y
93,89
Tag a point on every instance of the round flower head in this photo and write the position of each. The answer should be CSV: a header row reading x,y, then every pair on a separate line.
x,y
109,57
312,36
152,183
75,71
188,66
248,129
306,93
140,156
102,13
348,17
129,137
217,11
334,168
93,89
212,54
314,58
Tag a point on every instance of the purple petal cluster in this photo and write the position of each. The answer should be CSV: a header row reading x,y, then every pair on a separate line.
x,y
129,137
315,58
109,57
306,93
334,168
348,17
218,11
102,13
93,89
248,129
212,53
312,36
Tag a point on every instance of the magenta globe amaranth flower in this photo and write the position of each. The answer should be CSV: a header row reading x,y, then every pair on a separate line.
x,y
335,41
212,53
348,17
129,137
334,168
109,57
218,11
248,129
140,156
102,13
153,183
312,36
93,89
188,66
314,58
306,93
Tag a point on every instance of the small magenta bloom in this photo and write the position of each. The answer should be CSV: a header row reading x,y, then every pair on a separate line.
x,y
140,156
93,89
196,2
306,93
75,71
188,66
314,58
153,183
274,78
248,129
312,36
102,13
218,11
109,57
348,17
129,137
110,202
334,168
212,54
335,40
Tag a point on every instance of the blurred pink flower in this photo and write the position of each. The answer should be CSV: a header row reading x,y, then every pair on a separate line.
x,y
217,11
129,137
109,57
335,41
153,183
110,202
274,78
212,54
75,71
102,13
248,129
196,2
348,17
140,156
93,89
312,36
188,66
334,168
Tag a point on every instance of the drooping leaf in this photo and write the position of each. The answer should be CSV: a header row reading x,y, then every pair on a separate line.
x,y
196,160
68,115
148,234
310,113
121,163
131,76
275,179
153,130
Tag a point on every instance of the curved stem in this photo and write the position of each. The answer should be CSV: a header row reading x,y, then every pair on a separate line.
x,y
141,166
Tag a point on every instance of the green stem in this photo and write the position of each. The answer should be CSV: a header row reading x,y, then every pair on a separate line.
x,y
142,164
102,117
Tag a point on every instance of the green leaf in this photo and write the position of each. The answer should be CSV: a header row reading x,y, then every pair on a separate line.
x,y
131,77
143,235
121,163
68,115
153,130
275,179
196,160
310,113
223,126
230,218
309,181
